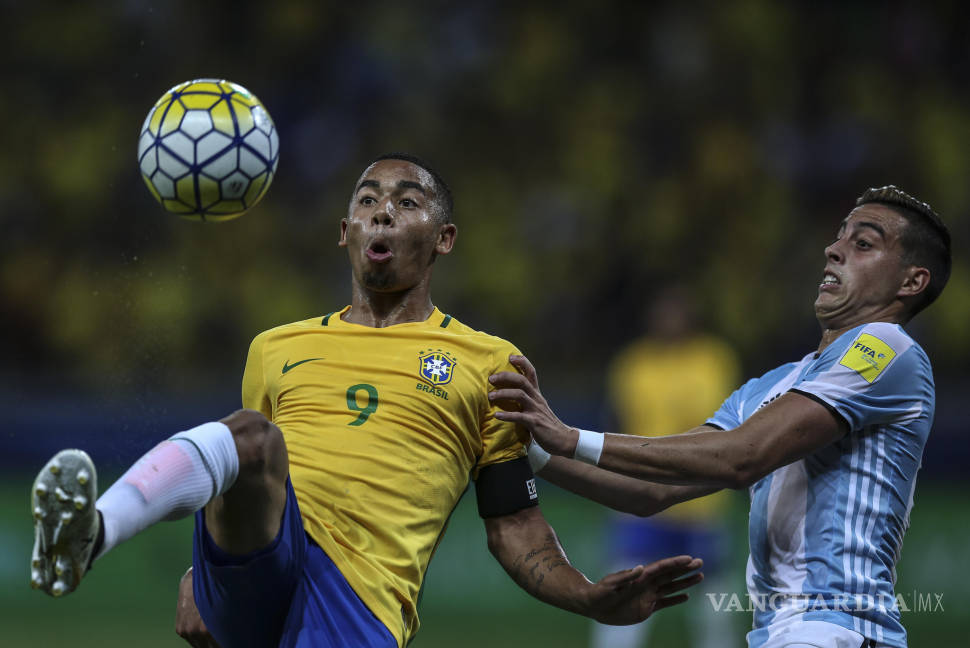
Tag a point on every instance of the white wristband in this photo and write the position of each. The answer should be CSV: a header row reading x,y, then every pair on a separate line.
x,y
589,447
538,457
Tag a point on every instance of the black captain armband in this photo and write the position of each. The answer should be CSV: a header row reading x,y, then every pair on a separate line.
x,y
505,488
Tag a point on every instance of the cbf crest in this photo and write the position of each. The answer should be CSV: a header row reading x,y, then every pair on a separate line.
x,y
436,367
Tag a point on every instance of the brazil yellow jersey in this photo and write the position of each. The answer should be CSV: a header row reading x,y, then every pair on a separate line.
x,y
659,388
384,427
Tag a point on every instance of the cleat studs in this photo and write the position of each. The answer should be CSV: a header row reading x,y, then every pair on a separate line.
x,y
63,497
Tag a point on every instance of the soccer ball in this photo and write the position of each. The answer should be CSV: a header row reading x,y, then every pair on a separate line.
x,y
208,150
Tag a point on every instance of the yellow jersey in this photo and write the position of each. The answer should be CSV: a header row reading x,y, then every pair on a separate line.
x,y
658,388
384,427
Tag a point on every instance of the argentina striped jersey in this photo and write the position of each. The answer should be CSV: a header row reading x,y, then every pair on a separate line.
x,y
826,531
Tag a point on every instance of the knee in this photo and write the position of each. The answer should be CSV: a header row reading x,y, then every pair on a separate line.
x,y
259,442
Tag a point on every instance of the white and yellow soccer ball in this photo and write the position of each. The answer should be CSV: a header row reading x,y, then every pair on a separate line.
x,y
208,150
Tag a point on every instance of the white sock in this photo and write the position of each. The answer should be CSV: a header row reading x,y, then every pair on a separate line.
x,y
174,479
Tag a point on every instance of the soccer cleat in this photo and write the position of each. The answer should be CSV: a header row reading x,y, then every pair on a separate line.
x,y
65,522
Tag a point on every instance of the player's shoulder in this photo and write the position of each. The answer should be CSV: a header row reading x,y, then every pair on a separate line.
x,y
311,322
480,341
888,332
880,352
886,338
459,328
282,330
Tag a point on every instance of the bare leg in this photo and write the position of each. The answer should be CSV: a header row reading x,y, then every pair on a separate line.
x,y
247,516
236,468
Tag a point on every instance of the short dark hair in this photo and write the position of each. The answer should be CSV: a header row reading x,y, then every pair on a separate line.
x,y
442,192
926,239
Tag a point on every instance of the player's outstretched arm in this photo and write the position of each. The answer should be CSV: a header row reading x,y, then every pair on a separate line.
x,y
789,428
188,622
528,549
618,492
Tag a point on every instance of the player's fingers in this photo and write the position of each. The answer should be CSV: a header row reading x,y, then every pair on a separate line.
x,y
514,379
192,640
670,568
680,584
512,416
522,363
199,638
509,394
208,641
669,601
509,379
622,578
204,640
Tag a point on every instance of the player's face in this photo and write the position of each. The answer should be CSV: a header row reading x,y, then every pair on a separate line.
x,y
865,273
391,232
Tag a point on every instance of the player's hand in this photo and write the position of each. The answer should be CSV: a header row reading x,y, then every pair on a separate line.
x,y
518,395
632,595
188,622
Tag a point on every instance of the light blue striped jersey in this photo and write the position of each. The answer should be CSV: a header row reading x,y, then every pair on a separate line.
x,y
826,531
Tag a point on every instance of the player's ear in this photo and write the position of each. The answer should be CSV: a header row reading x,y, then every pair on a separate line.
x,y
446,238
915,281
342,242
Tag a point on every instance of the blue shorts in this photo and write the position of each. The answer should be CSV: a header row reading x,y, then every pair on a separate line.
x,y
289,594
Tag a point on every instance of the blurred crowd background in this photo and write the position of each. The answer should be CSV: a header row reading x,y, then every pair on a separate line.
x,y
598,153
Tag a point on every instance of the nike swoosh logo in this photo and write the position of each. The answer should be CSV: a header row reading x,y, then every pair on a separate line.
x,y
287,366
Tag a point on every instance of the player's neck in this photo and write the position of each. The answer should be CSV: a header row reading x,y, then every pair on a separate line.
x,y
831,330
379,310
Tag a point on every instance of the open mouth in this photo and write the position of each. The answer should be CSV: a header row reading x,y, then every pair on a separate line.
x,y
378,252
829,280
